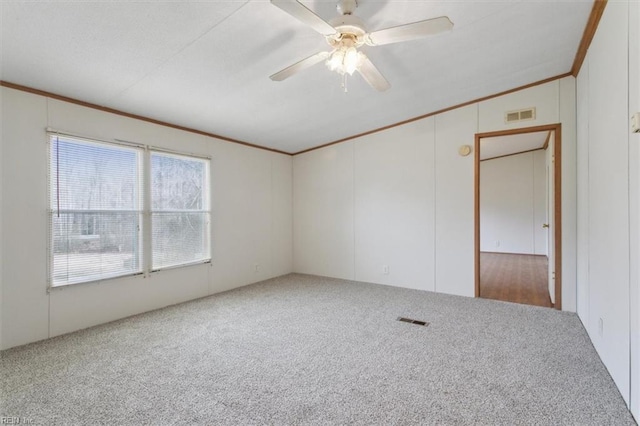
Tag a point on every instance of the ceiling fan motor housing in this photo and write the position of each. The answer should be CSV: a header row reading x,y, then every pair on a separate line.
x,y
347,25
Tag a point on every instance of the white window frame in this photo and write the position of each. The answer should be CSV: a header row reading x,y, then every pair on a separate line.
x,y
206,194
145,240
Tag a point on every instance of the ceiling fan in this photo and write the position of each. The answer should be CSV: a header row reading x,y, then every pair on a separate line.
x,y
346,34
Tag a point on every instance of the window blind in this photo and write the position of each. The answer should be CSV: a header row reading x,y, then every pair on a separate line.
x,y
95,210
180,210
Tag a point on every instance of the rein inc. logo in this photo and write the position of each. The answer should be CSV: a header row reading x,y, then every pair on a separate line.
x,y
6,420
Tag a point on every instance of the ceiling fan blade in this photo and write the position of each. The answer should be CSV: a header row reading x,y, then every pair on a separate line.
x,y
372,76
300,66
409,31
305,15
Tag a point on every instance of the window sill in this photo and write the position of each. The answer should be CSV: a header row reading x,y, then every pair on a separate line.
x,y
182,265
94,281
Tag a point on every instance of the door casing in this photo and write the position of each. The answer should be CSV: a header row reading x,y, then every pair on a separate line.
x,y
557,192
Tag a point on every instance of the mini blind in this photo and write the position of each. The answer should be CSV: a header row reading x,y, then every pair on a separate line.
x,y
95,214
180,210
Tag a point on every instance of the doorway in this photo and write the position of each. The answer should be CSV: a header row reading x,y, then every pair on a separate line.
x,y
518,222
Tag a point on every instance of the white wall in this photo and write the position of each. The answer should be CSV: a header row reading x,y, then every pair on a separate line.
x,y
513,204
634,199
1,214
567,112
251,212
25,303
582,218
403,197
454,244
394,207
608,217
323,212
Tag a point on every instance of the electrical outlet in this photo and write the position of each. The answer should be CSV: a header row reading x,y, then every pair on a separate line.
x,y
256,267
497,243
385,269
600,327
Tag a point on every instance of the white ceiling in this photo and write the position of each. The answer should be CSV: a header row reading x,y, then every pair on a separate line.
x,y
206,64
499,146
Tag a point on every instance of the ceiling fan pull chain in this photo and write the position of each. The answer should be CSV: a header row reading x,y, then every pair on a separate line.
x,y
344,82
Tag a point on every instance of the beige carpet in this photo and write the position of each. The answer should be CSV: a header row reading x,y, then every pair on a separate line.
x,y
307,350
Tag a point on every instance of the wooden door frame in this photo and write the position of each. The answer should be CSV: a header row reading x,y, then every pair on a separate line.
x,y
557,213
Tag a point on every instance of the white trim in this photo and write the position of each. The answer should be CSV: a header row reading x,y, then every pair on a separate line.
x,y
177,153
145,186
51,131
181,265
96,281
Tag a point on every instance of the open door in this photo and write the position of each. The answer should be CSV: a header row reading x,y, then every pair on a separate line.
x,y
550,225
547,244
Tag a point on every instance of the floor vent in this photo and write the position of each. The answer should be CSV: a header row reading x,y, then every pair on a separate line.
x,y
412,321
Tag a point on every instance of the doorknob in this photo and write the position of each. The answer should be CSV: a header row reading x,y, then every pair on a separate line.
x,y
545,225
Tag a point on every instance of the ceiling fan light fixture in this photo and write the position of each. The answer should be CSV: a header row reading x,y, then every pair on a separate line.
x,y
345,60
351,60
335,61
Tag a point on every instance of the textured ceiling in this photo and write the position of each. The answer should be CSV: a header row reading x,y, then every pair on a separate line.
x,y
206,64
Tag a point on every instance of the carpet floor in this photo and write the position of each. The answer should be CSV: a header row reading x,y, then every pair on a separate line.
x,y
308,350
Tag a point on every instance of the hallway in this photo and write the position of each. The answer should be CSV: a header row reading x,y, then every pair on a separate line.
x,y
517,278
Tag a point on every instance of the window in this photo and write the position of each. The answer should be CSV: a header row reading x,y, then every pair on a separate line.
x,y
95,210
100,226
179,210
